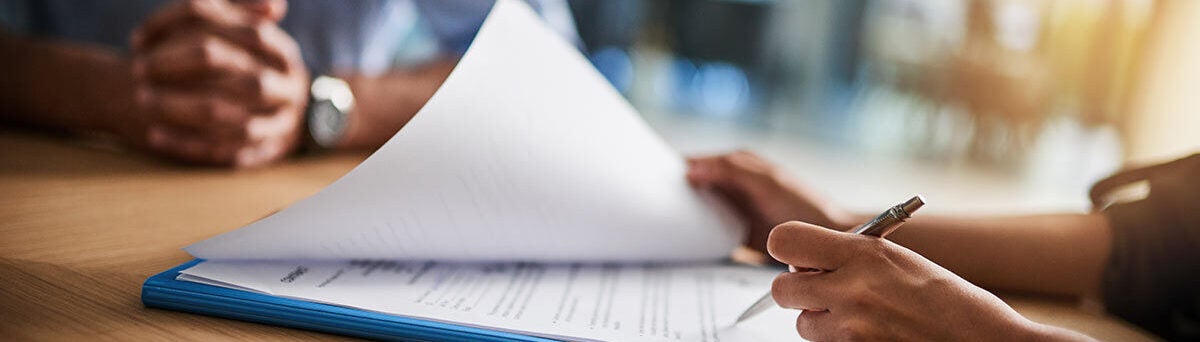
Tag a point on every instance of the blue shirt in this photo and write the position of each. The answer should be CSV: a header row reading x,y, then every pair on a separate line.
x,y
366,36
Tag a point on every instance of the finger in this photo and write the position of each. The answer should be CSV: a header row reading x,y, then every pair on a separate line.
x,y
264,88
757,228
707,170
268,41
810,246
265,152
190,56
273,10
200,111
742,170
265,40
147,34
184,12
1099,191
190,147
817,326
805,290
261,37
283,123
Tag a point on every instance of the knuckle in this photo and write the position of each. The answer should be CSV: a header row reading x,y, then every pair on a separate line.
x,y
848,332
741,158
725,159
944,284
241,134
258,34
853,330
858,300
255,87
208,51
861,297
875,250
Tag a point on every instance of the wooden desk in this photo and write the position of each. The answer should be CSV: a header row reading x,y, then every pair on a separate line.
x,y
82,227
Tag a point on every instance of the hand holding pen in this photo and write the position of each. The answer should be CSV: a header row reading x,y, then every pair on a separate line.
x,y
881,226
869,288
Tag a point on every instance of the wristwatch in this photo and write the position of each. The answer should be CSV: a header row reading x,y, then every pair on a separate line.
x,y
331,103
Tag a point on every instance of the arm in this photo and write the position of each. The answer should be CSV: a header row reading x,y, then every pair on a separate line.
x,y
870,288
873,289
65,87
1060,254
1053,254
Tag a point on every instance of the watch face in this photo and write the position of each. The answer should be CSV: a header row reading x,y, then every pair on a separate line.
x,y
326,123
332,104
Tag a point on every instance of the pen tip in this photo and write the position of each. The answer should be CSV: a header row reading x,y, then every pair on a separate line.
x,y
913,204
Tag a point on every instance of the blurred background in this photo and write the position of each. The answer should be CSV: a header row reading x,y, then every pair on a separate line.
x,y
988,105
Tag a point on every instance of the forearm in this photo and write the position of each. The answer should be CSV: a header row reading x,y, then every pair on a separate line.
x,y
62,86
1053,254
384,104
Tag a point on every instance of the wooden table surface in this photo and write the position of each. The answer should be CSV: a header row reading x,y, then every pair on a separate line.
x,y
82,226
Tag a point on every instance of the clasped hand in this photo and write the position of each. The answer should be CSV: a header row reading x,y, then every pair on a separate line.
x,y
219,83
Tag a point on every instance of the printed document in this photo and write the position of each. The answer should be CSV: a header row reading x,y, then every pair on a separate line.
x,y
611,302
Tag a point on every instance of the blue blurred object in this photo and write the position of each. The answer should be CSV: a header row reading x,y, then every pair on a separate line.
x,y
681,76
616,66
720,90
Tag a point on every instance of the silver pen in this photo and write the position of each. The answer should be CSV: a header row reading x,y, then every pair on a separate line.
x,y
880,227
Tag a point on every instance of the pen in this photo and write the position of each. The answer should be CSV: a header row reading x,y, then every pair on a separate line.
x,y
879,227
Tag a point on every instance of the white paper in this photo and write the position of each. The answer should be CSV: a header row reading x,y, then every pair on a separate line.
x,y
524,153
564,301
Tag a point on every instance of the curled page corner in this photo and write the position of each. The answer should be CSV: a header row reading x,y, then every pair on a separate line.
x,y
525,153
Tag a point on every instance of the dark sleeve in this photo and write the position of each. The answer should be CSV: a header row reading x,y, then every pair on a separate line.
x,y
15,16
1153,275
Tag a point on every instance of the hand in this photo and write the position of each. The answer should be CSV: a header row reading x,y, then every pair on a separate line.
x,y
220,83
762,194
873,289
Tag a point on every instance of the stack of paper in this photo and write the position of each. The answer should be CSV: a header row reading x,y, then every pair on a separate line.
x,y
525,154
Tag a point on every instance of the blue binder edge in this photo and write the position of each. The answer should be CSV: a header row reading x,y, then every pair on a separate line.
x,y
164,291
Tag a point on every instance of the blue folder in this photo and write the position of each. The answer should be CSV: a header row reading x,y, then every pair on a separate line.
x,y
164,291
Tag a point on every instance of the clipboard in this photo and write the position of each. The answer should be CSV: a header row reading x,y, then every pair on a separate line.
x,y
164,291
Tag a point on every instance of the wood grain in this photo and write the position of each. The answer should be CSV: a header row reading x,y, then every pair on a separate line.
x,y
81,227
